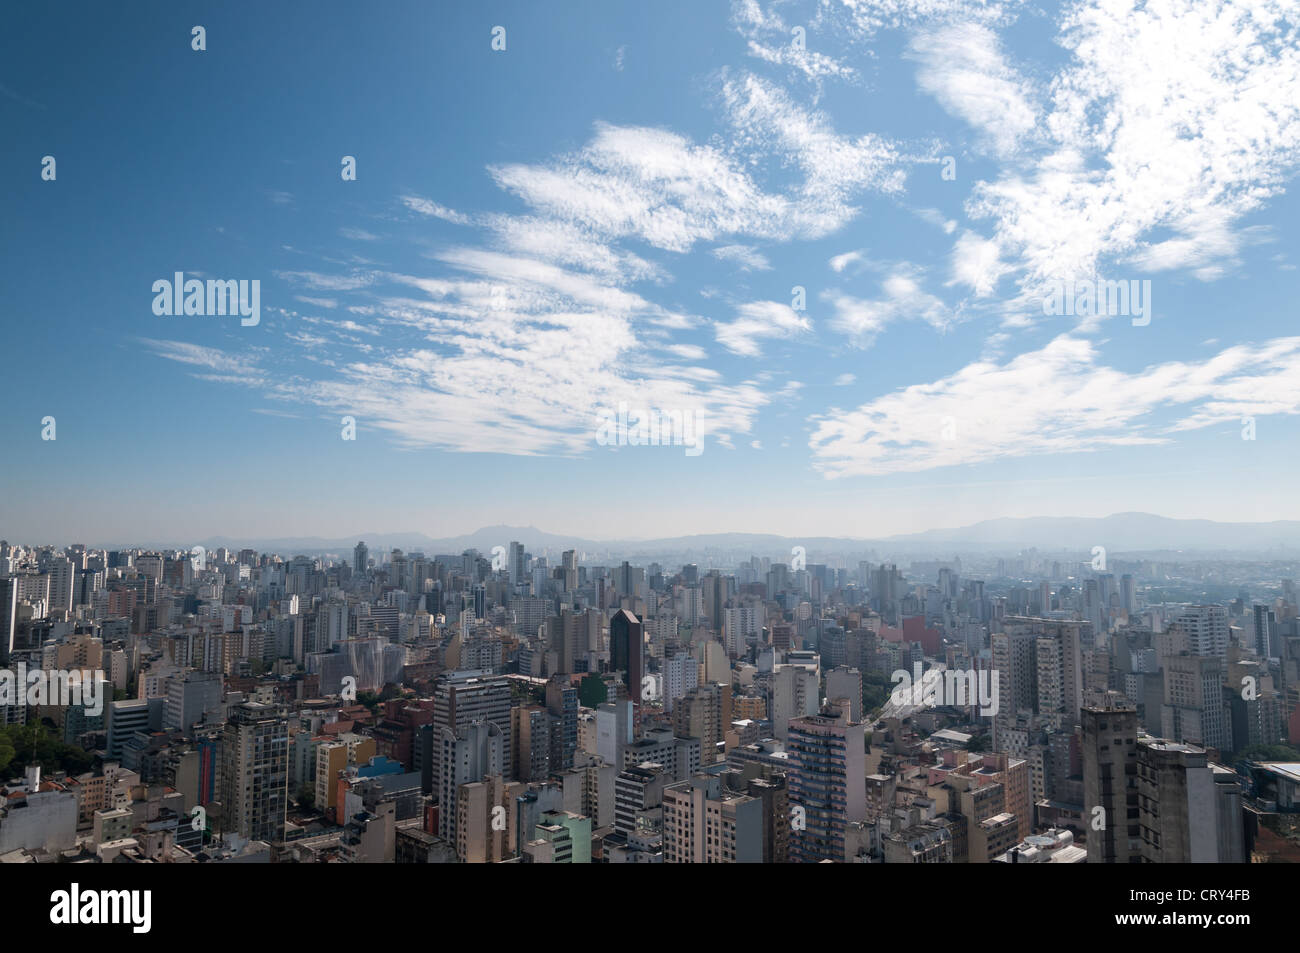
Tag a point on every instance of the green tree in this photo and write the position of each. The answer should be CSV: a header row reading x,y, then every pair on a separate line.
x,y
1268,753
36,744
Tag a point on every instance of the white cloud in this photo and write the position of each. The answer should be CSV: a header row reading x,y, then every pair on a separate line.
x,y
902,299
836,168
433,210
936,218
661,188
508,355
962,66
772,40
359,234
323,282
1170,123
745,257
756,321
213,359
1058,399
840,262
318,302
569,244
871,16
688,352
975,263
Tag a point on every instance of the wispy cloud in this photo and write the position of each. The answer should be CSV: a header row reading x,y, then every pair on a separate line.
x,y
757,321
1058,399
432,209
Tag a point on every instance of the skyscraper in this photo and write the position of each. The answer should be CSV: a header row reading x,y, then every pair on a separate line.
x,y
8,615
827,780
1206,628
255,772
518,564
1265,623
461,698
467,754
627,654
1110,792
1185,817
562,707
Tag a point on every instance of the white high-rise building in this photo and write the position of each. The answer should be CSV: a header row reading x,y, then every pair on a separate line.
x,y
1206,628
738,625
63,578
681,675
467,755
794,695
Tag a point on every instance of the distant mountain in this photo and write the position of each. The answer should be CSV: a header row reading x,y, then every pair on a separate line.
x,y
1121,532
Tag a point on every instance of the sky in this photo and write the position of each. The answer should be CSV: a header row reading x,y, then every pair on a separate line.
x,y
823,233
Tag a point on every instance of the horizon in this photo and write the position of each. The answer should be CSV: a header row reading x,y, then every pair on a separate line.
x,y
824,542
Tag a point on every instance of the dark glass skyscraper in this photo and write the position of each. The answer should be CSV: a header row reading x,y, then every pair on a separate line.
x,y
627,651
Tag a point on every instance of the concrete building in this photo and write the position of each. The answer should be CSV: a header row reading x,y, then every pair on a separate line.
x,y
827,782
703,824
1186,812
1110,790
255,773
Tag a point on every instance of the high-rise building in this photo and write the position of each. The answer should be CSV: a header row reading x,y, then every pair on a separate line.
x,y
1184,813
680,675
460,698
613,731
193,698
1110,783
255,772
701,715
703,824
794,695
1206,628
468,755
485,815
827,782
569,563
8,616
627,655
518,564
360,558
562,707
638,790
1265,625
1194,709
531,741
63,579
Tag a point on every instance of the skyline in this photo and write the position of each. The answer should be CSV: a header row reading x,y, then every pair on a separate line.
x,y
1124,533
515,258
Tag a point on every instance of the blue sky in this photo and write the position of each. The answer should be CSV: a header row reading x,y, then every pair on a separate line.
x,y
616,208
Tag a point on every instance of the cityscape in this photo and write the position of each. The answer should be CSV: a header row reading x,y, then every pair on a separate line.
x,y
527,706
784,432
